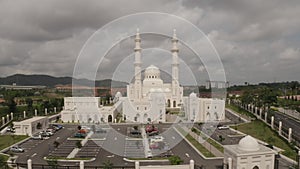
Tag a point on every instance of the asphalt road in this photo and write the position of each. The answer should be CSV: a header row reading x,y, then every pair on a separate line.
x,y
288,122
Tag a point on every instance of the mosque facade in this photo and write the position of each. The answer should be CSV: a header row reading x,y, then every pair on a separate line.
x,y
149,98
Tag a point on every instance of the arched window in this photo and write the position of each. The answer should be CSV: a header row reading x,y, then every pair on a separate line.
x,y
109,118
174,103
255,167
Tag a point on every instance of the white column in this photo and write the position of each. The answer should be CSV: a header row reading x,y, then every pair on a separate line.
x,y
280,128
260,113
46,111
175,64
81,165
35,112
192,164
3,120
137,66
54,109
24,114
137,165
272,122
7,116
12,115
229,163
29,164
299,159
266,116
290,135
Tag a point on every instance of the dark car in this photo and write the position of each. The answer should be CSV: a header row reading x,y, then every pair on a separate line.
x,y
99,130
79,135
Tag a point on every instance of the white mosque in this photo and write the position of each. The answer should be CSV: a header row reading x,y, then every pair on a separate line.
x,y
147,99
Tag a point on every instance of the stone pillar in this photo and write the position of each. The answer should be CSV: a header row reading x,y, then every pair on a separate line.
x,y
298,159
272,122
35,112
255,111
260,113
3,120
12,115
81,165
229,163
229,101
7,116
29,164
266,117
290,135
192,164
46,111
54,109
24,114
280,128
137,165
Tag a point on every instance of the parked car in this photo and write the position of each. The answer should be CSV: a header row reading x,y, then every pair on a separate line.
x,y
10,129
135,132
37,137
79,135
223,127
45,134
57,126
17,149
50,130
153,133
157,139
100,130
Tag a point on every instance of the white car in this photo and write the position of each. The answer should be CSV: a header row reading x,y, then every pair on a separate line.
x,y
223,127
157,139
16,149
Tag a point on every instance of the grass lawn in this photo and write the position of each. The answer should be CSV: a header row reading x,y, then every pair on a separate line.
x,y
199,146
8,140
4,157
240,110
261,131
209,140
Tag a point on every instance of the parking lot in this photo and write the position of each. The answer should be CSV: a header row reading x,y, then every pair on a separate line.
x,y
111,143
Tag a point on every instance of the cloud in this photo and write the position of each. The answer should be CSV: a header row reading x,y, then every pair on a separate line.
x,y
256,40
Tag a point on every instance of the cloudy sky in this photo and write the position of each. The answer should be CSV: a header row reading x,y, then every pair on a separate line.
x,y
257,40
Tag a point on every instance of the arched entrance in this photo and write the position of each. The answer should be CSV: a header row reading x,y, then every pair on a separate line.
x,y
255,167
145,117
109,118
169,103
174,103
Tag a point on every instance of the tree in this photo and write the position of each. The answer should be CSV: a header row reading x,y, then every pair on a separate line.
x,y
175,160
107,165
78,144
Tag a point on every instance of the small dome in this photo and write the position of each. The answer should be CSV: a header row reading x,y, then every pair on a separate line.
x,y
193,94
248,143
118,94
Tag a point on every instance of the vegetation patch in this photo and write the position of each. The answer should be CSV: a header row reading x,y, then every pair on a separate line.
x,y
195,143
209,140
8,140
240,111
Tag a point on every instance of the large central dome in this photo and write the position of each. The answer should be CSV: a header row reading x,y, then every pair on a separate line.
x,y
152,72
248,143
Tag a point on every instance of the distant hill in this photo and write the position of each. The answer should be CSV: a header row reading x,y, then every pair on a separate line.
x,y
50,81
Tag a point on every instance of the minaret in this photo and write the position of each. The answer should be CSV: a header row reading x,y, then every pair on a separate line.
x,y
137,67
175,64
